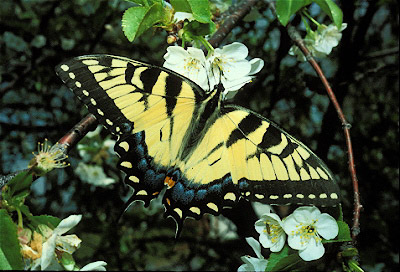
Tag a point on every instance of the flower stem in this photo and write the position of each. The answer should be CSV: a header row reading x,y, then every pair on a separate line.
x,y
305,12
207,45
308,28
353,265
20,222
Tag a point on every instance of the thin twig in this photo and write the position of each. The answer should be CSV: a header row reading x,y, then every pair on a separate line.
x,y
295,36
239,11
72,137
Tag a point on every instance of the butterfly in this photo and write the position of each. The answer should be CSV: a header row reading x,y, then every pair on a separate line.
x,y
206,152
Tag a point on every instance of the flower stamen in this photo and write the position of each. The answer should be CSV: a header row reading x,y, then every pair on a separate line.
x,y
48,158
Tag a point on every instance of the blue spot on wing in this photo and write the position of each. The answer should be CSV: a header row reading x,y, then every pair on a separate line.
x,y
140,151
201,194
243,185
179,194
142,165
216,188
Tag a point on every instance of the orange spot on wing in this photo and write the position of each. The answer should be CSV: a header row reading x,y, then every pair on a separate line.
x,y
169,182
168,201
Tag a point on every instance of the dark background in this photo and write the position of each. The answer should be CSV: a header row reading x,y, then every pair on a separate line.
x,y
363,71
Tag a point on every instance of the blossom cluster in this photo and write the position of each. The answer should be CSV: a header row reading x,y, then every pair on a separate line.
x,y
304,230
227,65
319,42
50,249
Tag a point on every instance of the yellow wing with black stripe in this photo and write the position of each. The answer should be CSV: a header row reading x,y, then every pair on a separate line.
x,y
208,154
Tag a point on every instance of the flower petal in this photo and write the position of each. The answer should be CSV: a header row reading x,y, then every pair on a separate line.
x,y
175,54
68,243
67,224
182,16
327,226
296,242
256,66
95,266
48,252
253,264
235,69
289,224
313,251
265,241
235,50
196,53
255,245
278,245
260,225
306,213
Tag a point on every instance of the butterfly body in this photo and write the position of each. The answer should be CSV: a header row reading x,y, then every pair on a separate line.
x,y
207,153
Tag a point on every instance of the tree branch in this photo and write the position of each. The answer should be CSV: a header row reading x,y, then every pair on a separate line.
x,y
238,12
295,36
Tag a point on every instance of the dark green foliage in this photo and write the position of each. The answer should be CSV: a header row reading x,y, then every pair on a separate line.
x,y
363,71
10,256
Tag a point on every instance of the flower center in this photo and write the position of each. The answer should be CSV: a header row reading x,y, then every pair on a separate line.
x,y
221,62
192,65
307,232
274,230
50,157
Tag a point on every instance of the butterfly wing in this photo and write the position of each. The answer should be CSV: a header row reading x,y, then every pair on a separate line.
x,y
243,154
276,167
149,108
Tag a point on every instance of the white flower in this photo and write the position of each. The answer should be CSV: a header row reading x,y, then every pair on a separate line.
x,y
272,235
230,67
251,263
190,63
320,42
328,38
305,227
55,241
93,174
95,266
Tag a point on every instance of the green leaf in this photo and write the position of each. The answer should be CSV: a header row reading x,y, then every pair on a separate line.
x,y
68,261
136,20
286,8
25,210
145,3
20,182
333,11
275,257
283,260
199,8
198,29
47,220
344,234
10,255
181,6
